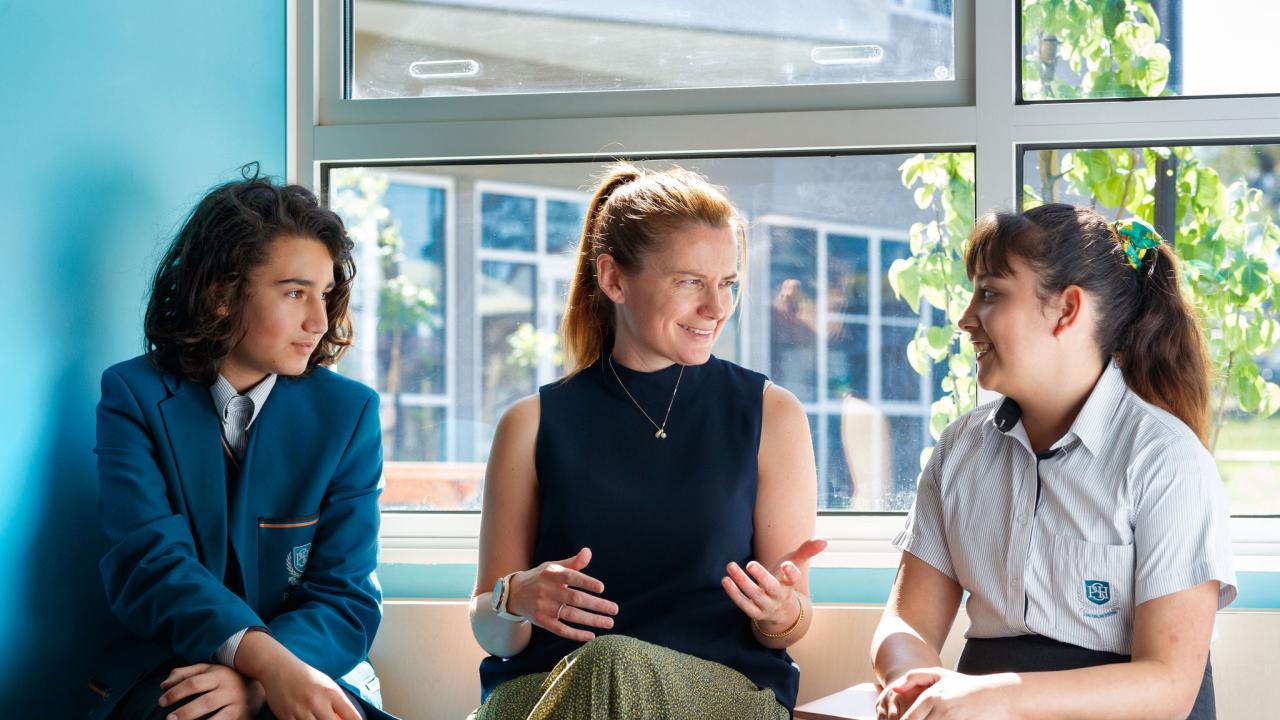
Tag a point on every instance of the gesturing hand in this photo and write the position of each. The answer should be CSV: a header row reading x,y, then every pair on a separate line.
x,y
768,596
552,594
220,693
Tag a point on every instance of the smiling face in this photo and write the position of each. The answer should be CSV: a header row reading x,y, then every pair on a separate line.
x,y
1012,330
285,315
673,308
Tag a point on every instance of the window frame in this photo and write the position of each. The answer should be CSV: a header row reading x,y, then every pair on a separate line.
x,y
548,269
978,111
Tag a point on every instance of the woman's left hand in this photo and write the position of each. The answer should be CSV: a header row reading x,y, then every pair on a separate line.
x,y
955,696
768,596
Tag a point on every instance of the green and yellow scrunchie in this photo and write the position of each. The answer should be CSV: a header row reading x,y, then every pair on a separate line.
x,y
1136,238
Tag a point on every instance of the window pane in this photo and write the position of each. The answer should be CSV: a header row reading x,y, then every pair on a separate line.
x,y
468,47
564,225
399,228
847,360
899,381
506,309
415,351
822,232
908,440
1218,205
793,338
507,222
1128,48
890,304
848,262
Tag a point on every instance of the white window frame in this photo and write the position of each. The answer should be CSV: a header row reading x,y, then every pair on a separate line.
x,y
367,317
977,111
548,267
825,407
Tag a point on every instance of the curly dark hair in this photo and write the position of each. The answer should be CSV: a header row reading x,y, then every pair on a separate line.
x,y
207,267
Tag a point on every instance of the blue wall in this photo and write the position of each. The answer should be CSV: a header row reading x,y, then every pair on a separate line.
x,y
114,118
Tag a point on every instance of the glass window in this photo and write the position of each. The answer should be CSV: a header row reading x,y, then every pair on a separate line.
x,y
1218,205
415,48
817,226
400,223
508,222
1148,48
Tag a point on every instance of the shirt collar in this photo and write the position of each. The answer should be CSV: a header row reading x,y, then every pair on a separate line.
x,y
224,393
1092,423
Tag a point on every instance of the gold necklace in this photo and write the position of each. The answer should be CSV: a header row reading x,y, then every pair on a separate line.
x,y
660,430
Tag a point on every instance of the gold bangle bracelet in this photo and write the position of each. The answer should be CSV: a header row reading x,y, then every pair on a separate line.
x,y
789,630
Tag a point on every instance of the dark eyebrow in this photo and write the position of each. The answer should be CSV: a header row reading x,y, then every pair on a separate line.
x,y
733,276
303,283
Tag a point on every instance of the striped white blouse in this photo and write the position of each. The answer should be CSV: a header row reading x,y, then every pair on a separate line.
x,y
1124,508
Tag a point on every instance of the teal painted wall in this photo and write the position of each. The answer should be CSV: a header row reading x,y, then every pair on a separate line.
x,y
114,118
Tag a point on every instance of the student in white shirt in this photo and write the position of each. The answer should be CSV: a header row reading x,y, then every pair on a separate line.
x,y
1081,512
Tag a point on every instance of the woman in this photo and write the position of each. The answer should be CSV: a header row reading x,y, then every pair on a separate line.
x,y
1081,512
239,479
647,518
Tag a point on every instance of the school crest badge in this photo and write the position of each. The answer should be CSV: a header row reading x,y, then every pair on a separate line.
x,y
1097,592
295,562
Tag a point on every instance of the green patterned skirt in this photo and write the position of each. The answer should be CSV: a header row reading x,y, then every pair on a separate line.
x,y
615,676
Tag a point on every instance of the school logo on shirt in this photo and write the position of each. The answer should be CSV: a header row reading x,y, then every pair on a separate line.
x,y
295,561
1097,592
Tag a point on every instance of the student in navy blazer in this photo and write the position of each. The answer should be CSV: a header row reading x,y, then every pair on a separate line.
x,y
240,479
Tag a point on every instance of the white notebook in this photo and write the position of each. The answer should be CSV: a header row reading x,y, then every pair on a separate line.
x,y
855,703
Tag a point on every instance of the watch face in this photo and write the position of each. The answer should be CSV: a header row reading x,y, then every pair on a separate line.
x,y
497,595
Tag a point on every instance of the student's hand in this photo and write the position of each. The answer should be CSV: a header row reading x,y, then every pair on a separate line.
x,y
227,695
297,691
901,694
955,696
552,594
769,596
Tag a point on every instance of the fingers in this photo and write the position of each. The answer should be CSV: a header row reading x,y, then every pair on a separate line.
x,y
921,709
579,599
766,581
746,584
915,679
577,616
564,575
788,574
579,561
343,708
182,673
743,602
571,633
807,550
201,706
201,683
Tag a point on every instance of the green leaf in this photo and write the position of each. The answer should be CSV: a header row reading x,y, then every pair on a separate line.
x,y
1113,12
923,196
904,278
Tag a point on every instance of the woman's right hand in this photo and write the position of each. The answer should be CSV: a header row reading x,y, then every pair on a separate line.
x,y
553,593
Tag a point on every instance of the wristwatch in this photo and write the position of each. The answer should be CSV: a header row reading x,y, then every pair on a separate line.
x,y
501,594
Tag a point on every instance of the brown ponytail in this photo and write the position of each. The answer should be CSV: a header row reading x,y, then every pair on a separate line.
x,y
629,213
1162,354
1144,322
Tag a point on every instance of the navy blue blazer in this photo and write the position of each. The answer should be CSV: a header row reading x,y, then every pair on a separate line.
x,y
303,525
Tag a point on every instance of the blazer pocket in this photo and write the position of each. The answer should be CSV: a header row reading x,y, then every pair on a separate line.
x,y
284,548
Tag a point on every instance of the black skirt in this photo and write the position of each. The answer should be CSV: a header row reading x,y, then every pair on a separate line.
x,y
1036,653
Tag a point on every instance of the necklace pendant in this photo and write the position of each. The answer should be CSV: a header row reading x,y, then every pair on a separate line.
x,y
660,434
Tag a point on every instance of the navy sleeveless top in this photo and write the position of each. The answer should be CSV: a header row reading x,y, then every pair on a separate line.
x,y
662,516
